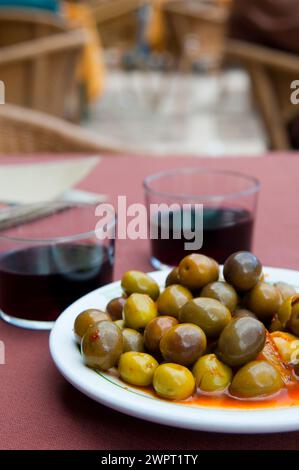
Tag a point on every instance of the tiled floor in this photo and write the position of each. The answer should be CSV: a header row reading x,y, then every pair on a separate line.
x,y
172,114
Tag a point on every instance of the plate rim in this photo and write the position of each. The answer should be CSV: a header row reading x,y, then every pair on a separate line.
x,y
243,421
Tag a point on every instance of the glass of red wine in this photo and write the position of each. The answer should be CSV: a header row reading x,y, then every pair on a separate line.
x,y
224,201
51,255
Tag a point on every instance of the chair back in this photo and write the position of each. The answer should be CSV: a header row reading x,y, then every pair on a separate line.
x,y
116,20
272,73
196,30
39,54
24,131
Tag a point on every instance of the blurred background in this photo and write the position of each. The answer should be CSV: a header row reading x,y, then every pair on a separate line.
x,y
149,77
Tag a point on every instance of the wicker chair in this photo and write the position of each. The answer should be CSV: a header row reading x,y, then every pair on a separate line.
x,y
24,131
205,22
39,53
272,73
116,20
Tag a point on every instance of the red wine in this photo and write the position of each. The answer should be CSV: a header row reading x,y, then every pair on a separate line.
x,y
225,231
38,283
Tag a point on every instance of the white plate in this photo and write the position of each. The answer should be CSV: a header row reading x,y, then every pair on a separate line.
x,y
115,394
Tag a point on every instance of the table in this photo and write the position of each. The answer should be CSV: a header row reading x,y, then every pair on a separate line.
x,y
40,410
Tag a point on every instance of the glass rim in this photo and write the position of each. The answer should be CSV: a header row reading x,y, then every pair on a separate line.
x,y
189,170
62,238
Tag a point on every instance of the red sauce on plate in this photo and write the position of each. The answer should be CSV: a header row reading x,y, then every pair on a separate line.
x,y
288,396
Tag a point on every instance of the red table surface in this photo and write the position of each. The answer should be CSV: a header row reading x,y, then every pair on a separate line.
x,y
40,410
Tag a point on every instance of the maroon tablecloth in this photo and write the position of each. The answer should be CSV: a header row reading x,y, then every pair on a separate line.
x,y
40,410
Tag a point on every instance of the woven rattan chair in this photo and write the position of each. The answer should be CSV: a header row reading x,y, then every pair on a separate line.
x,y
24,131
272,73
196,31
116,20
39,54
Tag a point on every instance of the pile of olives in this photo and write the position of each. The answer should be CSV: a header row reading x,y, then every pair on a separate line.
x,y
203,333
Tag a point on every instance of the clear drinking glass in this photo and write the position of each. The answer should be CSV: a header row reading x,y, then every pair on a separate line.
x,y
50,255
229,202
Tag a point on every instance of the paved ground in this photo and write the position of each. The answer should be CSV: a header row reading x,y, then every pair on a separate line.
x,y
175,114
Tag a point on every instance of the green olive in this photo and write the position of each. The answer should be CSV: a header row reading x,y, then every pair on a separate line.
x,y
211,375
196,271
242,270
139,310
288,314
256,380
120,324
223,292
183,344
133,340
285,310
209,314
102,345
264,300
154,331
172,299
286,290
173,382
241,341
86,319
115,308
276,325
173,277
137,368
243,312
136,282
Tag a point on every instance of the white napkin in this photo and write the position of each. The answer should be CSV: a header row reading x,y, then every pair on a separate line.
x,y
35,183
